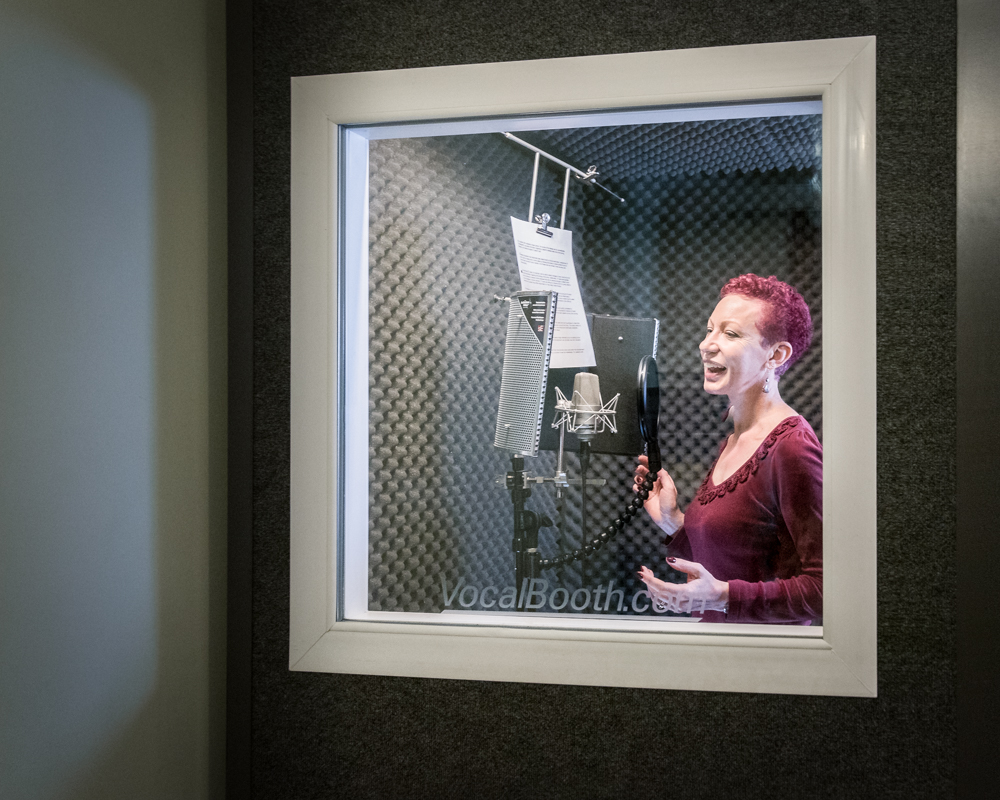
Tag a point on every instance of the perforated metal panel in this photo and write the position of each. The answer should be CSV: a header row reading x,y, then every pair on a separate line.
x,y
526,361
705,201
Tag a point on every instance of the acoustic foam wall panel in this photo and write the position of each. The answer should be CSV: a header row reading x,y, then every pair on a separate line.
x,y
704,201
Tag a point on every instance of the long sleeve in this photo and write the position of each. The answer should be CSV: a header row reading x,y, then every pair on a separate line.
x,y
795,473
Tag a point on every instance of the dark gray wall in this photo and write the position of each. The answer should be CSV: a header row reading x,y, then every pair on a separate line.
x,y
978,390
357,736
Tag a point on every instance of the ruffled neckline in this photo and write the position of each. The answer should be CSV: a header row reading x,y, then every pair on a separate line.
x,y
706,493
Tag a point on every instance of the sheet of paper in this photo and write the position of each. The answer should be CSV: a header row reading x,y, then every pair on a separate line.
x,y
547,264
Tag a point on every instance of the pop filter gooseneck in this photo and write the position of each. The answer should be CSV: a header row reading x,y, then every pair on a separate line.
x,y
647,398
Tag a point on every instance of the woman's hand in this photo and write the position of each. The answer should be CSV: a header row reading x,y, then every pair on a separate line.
x,y
661,505
702,592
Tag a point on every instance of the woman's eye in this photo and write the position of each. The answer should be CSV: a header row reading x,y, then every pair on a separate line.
x,y
732,334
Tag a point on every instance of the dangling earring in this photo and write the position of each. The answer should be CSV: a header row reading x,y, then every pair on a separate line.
x,y
767,384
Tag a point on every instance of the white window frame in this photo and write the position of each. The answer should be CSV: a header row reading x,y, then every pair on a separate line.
x,y
843,661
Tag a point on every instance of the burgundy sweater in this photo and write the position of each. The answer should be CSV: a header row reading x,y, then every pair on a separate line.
x,y
762,530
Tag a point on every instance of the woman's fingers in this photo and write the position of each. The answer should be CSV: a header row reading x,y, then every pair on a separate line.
x,y
692,568
640,471
698,594
660,592
662,600
667,599
666,596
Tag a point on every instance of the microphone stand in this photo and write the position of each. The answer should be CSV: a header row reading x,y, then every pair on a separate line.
x,y
528,563
526,525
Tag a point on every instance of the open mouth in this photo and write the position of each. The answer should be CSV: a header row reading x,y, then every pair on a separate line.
x,y
714,369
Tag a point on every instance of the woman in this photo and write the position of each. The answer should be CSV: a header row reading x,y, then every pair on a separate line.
x,y
751,540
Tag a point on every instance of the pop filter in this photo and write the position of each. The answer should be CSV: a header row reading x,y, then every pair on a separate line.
x,y
647,398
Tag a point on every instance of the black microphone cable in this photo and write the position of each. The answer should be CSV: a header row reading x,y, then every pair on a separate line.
x,y
609,533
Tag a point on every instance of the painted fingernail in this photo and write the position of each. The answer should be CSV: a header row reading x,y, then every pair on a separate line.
x,y
671,560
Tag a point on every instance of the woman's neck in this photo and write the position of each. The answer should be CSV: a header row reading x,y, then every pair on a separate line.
x,y
757,409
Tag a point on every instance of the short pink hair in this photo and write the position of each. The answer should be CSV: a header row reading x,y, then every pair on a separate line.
x,y
786,316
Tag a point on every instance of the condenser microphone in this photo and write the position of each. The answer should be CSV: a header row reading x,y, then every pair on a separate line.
x,y
647,397
586,399
527,351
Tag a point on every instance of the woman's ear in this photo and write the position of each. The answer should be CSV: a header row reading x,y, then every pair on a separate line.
x,y
780,353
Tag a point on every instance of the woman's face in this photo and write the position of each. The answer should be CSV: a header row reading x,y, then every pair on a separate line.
x,y
733,355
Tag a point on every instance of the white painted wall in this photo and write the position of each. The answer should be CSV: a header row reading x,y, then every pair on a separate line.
x,y
112,398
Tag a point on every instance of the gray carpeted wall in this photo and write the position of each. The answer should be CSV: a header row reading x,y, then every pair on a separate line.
x,y
360,736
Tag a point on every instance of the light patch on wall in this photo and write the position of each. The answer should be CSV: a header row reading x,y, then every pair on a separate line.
x,y
78,635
